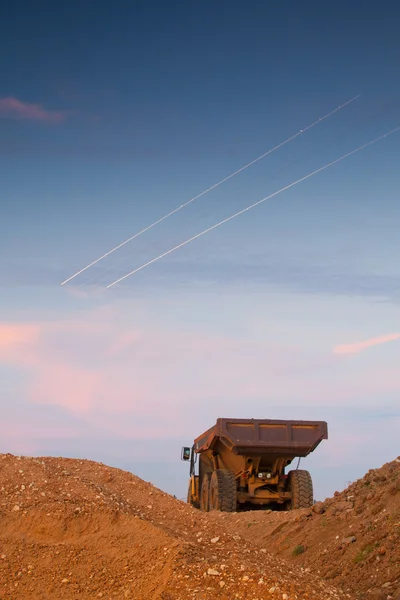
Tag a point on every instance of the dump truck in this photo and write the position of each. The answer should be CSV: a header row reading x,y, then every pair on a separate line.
x,y
240,464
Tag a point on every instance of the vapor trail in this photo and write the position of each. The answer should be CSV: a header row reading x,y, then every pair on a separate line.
x,y
330,164
212,187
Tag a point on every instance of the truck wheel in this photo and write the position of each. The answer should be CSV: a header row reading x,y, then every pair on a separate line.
x,y
223,491
205,493
301,487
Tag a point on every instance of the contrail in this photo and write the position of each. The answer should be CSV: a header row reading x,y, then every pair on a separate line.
x,y
330,164
213,187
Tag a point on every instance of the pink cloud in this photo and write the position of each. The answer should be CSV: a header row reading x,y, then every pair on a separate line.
x,y
67,386
357,347
17,342
12,108
12,335
123,377
92,362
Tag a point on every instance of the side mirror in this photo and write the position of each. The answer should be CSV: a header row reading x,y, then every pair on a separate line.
x,y
186,452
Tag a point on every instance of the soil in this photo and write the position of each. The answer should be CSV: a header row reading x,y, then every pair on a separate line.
x,y
351,540
76,529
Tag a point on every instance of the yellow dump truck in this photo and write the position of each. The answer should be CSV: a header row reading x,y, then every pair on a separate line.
x,y
241,464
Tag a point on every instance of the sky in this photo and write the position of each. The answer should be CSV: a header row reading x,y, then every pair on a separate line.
x,y
114,115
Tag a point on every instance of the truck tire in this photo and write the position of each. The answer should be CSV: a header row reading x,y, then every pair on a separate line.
x,y
205,493
301,487
223,491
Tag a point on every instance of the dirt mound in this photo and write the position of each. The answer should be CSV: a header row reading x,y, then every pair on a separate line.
x,y
351,540
78,529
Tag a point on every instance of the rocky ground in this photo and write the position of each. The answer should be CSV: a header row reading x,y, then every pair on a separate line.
x,y
351,540
78,529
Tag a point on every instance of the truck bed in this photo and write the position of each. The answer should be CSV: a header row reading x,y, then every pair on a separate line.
x,y
263,436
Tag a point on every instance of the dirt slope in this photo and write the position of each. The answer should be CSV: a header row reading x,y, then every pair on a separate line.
x,y
351,540
78,530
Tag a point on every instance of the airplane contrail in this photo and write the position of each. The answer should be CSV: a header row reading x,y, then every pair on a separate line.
x,y
330,164
212,187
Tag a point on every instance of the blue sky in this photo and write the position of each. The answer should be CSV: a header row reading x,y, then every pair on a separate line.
x,y
110,117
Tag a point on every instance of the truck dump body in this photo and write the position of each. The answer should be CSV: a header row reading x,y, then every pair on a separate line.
x,y
263,436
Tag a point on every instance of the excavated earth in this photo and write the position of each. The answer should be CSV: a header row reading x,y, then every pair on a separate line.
x,y
351,540
75,529
78,529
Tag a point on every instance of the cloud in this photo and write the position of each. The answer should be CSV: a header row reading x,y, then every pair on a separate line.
x,y
12,108
103,365
17,343
357,347
12,335
96,363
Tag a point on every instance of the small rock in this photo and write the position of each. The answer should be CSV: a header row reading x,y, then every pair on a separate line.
x,y
382,550
213,572
318,508
375,594
245,578
222,584
349,540
65,580
215,540
15,508
342,505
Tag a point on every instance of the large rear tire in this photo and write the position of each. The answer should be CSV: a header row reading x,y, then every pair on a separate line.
x,y
223,491
301,487
205,493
